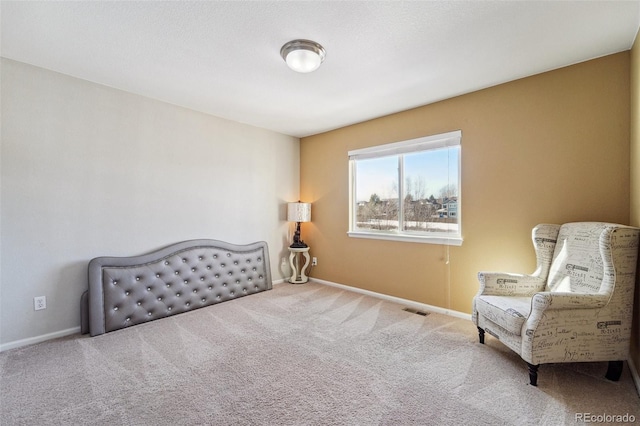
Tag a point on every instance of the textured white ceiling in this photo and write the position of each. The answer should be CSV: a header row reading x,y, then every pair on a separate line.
x,y
223,58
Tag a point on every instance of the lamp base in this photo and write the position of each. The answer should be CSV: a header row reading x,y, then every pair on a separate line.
x,y
298,244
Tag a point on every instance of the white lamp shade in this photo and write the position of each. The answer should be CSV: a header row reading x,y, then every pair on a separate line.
x,y
299,212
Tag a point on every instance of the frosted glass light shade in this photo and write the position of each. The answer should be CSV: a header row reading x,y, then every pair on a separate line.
x,y
299,212
303,55
303,61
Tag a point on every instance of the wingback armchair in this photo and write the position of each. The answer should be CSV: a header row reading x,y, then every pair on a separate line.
x,y
576,306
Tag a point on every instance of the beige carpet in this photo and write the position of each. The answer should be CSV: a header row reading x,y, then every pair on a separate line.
x,y
297,355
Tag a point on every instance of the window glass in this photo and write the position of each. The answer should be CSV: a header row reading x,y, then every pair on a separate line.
x,y
431,191
377,193
408,191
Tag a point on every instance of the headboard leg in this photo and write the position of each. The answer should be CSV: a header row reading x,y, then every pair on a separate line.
x,y
84,313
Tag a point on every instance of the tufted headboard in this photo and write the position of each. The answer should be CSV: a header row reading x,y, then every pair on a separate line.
x,y
125,291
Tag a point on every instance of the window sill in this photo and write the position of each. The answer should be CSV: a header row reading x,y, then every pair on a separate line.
x,y
450,241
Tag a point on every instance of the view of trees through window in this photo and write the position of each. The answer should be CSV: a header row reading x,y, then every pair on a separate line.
x,y
413,193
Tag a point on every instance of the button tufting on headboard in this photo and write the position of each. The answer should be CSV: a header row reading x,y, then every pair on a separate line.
x,y
128,291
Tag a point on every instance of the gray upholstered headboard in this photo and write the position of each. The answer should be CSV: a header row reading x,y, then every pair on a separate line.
x,y
125,291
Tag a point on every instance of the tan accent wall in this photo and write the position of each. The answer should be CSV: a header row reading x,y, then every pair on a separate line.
x,y
552,148
635,184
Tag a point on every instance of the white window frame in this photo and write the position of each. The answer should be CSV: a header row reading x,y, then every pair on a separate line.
x,y
427,143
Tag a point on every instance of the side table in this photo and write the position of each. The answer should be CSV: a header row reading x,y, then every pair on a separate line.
x,y
294,255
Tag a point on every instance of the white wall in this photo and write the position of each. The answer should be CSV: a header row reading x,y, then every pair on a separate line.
x,y
87,170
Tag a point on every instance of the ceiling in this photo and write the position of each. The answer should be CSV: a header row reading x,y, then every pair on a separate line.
x,y
223,58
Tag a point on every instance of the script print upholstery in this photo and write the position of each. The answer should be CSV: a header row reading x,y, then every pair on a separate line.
x,y
580,298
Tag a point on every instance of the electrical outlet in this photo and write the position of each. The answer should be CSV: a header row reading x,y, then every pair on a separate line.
x,y
314,261
39,303
283,263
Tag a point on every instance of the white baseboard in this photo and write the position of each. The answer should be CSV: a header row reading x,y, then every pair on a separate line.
x,y
634,374
406,302
38,339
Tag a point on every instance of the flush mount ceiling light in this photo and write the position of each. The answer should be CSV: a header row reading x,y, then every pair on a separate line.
x,y
303,55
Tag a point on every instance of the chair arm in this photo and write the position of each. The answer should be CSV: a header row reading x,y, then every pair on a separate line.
x,y
506,284
557,318
565,300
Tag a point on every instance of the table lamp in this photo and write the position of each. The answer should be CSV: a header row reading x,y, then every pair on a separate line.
x,y
298,212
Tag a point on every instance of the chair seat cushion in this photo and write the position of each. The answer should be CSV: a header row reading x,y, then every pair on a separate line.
x,y
506,311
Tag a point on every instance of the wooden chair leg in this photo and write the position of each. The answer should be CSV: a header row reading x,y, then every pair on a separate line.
x,y
614,371
481,335
533,374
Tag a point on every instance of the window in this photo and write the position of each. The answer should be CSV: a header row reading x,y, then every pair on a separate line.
x,y
407,191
